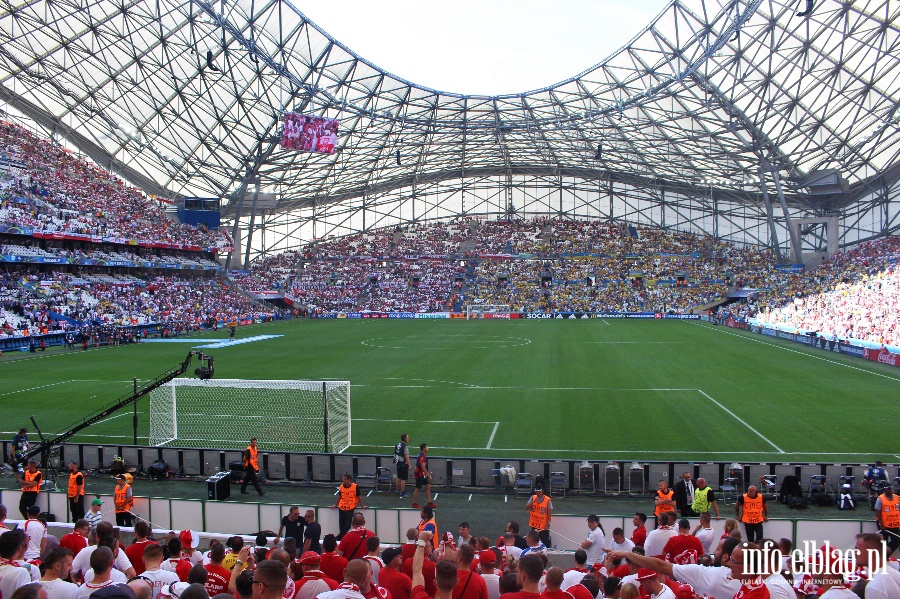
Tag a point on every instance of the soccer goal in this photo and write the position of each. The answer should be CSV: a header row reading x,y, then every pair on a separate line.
x,y
306,416
474,311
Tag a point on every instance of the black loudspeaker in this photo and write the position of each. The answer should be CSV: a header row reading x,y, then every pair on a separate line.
x,y
218,486
237,471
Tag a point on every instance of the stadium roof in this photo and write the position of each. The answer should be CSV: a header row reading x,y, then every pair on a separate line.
x,y
184,98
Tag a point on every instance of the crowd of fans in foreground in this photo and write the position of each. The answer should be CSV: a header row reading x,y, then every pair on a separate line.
x,y
55,191
91,561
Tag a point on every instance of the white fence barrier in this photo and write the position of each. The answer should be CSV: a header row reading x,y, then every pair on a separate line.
x,y
232,518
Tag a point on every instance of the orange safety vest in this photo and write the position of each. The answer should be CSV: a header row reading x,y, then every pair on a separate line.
x,y
539,516
252,460
753,509
348,497
123,504
436,538
75,490
664,508
30,477
890,517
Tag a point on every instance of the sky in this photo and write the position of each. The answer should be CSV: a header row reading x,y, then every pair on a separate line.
x,y
487,47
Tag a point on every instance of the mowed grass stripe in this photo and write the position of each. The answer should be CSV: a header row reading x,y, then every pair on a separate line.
x,y
563,390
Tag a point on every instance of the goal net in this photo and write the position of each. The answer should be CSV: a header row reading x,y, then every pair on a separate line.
x,y
305,416
488,311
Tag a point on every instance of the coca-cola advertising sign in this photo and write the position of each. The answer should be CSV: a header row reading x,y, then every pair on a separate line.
x,y
883,356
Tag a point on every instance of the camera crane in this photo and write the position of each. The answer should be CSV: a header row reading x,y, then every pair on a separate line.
x,y
47,445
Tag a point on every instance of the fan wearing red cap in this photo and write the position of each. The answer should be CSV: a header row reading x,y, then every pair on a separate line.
x,y
190,540
651,585
487,562
314,581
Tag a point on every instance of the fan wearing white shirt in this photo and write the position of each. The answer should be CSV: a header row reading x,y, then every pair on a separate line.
x,y
82,560
57,566
101,563
657,539
36,531
595,541
619,541
159,579
715,581
12,577
705,532
885,583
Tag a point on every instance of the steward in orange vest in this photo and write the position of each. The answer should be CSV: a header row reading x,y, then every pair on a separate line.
x,y
123,501
540,509
348,499
31,486
887,514
751,509
665,501
428,523
251,468
75,492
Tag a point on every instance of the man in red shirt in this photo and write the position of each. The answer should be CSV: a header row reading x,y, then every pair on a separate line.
x,y
135,551
471,585
353,545
76,540
332,564
531,568
446,575
683,548
409,548
429,572
423,478
391,578
314,581
640,531
217,576
369,588
554,580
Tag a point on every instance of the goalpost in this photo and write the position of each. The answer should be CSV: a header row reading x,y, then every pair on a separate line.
x,y
306,416
474,311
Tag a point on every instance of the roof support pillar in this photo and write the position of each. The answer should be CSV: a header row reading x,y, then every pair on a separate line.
x,y
252,223
795,239
773,232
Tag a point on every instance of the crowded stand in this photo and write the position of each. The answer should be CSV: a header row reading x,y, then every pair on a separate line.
x,y
53,191
368,285
583,266
855,295
533,265
665,561
33,302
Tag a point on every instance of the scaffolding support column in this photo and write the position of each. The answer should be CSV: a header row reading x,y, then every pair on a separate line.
x,y
773,232
795,240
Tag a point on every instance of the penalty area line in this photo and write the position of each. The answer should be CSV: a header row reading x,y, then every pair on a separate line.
x,y
493,432
741,420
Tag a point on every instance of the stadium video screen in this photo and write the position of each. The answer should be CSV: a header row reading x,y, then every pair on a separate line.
x,y
306,133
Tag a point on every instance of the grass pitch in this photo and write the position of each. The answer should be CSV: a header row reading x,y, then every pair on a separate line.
x,y
600,388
